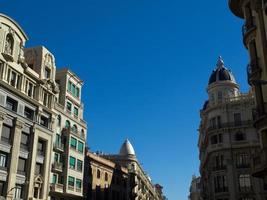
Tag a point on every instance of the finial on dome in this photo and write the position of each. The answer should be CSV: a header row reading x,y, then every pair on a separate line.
x,y
220,62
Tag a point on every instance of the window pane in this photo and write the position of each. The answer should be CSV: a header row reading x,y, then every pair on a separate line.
x,y
71,181
78,183
72,162
80,147
73,142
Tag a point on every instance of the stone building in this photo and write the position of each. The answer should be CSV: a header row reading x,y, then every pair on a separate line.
x,y
42,133
195,189
254,31
227,141
104,179
118,177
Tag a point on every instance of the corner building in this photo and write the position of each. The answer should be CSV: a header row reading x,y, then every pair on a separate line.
x,y
227,141
42,133
254,31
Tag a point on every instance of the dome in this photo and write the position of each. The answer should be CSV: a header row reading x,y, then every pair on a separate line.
x,y
127,149
221,73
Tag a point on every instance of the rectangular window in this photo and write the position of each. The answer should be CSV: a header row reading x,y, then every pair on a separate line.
x,y
47,73
77,92
2,188
13,79
38,169
3,160
73,89
244,182
237,119
80,147
41,148
71,181
24,142
76,111
56,157
72,162
44,121
28,113
21,166
214,139
69,106
6,133
73,142
54,179
69,86
79,165
11,104
18,192
242,160
78,183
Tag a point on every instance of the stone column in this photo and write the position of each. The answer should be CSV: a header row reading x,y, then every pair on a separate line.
x,y
14,159
2,118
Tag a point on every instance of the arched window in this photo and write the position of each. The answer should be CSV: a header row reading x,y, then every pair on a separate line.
x,y
9,44
67,124
106,176
58,120
82,133
98,173
74,128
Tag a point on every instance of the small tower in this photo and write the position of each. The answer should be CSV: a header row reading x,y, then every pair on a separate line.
x,y
222,84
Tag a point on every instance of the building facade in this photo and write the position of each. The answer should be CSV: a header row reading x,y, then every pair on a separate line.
x,y
254,30
195,189
227,141
41,125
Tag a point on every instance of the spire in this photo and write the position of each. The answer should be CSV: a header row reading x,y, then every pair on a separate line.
x,y
220,62
127,149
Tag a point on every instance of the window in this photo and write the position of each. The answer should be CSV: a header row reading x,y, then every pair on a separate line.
x,y
6,133
214,139
56,157
76,111
38,169
11,104
244,182
18,192
24,142
77,92
73,89
74,129
58,140
2,188
21,166
3,160
220,184
54,178
98,174
47,73
80,147
67,124
71,181
219,124
41,147
220,95
13,79
239,136
69,86
219,162
78,183
73,142
69,105
28,113
72,162
44,121
106,176
79,165
237,119
45,99
30,88
242,160
58,120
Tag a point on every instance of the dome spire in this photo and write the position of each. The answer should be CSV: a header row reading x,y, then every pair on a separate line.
x,y
220,62
127,149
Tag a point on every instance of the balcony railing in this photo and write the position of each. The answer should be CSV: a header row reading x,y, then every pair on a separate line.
x,y
59,146
231,125
57,187
71,188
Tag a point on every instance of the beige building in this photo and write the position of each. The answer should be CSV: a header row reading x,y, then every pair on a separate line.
x,y
227,141
254,30
141,184
41,125
105,180
195,189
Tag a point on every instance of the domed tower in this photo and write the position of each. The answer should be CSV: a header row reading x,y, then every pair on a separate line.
x,y
127,150
222,84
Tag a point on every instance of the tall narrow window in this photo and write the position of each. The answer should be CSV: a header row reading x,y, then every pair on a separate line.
x,y
237,119
72,162
71,181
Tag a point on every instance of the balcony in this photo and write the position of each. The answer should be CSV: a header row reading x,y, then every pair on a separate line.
x,y
259,164
57,166
231,125
57,187
58,147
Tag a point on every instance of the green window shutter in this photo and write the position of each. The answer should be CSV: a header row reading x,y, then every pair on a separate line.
x,y
79,165
80,147
71,181
72,162
73,89
78,183
76,111
73,143
54,180
77,92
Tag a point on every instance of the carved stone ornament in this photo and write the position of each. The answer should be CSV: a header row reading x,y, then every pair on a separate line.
x,y
19,124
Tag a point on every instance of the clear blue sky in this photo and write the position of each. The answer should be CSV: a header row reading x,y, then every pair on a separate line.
x,y
145,64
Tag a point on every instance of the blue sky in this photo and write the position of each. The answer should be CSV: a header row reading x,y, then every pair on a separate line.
x,y
145,64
